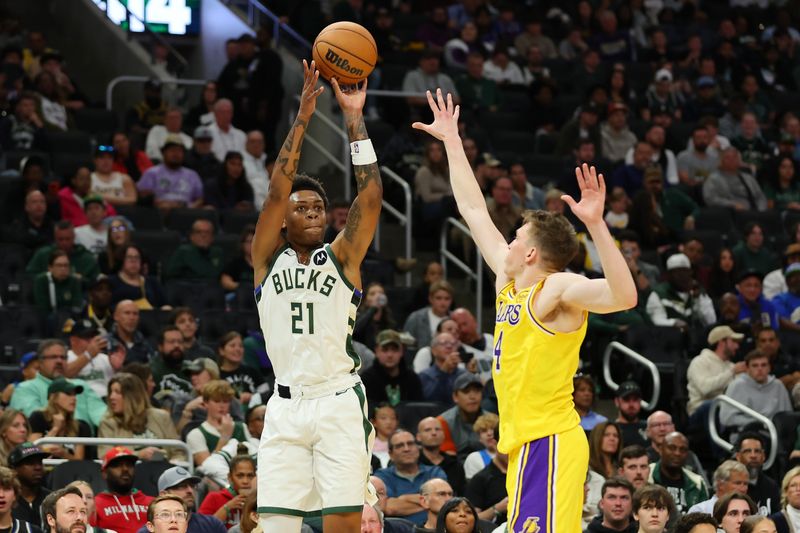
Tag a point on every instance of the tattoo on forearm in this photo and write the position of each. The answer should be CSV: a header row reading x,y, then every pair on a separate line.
x,y
289,156
357,131
353,221
356,128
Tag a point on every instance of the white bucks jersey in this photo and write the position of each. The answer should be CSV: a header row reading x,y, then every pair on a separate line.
x,y
307,314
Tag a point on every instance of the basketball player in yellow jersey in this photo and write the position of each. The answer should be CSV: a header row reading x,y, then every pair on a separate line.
x,y
540,324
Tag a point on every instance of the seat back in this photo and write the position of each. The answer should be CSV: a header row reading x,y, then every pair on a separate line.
x,y
65,473
410,413
146,474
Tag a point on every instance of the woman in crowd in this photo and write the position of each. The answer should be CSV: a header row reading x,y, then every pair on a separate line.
x,y
457,49
618,88
752,254
127,160
384,419
782,190
605,445
758,524
228,504
652,508
245,381
130,415
249,520
583,396
485,427
130,283
120,234
57,419
723,274
788,518
432,187
731,510
646,221
240,269
457,515
14,430
374,315
231,189
203,113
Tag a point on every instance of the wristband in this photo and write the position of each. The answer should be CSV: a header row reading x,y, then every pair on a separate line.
x,y
362,153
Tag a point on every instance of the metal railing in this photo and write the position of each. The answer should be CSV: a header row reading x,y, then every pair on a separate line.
x,y
615,346
141,79
403,218
255,11
447,255
100,441
727,446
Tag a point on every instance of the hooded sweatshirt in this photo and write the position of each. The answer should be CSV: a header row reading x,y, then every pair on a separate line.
x,y
766,398
596,526
122,513
708,376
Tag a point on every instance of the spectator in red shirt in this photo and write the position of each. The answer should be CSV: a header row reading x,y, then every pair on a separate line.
x,y
227,504
121,507
71,198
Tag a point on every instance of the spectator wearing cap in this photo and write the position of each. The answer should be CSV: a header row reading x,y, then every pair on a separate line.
x,y
751,254
680,301
711,371
71,197
148,112
219,426
28,368
757,389
427,77
171,185
616,137
438,380
732,186
87,358
26,461
34,227
389,379
225,136
255,167
706,101
82,262
201,158
582,126
457,422
697,161
173,122
122,507
57,419
114,187
670,471
32,394
662,156
185,320
57,289
94,234
730,476
200,259
128,160
662,93
629,408
177,481
9,494
754,308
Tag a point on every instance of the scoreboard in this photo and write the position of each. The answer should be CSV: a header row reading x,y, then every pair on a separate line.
x,y
172,17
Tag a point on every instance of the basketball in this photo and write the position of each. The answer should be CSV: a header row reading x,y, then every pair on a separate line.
x,y
346,51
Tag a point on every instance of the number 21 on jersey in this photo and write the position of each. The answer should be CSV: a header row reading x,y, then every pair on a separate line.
x,y
302,318
497,348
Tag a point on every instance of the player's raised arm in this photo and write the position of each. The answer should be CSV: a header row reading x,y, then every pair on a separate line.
x,y
617,291
268,238
470,200
351,245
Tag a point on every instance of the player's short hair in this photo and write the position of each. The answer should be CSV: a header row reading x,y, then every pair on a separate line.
x,y
218,390
304,182
616,482
689,521
553,236
441,285
721,507
151,509
655,495
634,451
484,422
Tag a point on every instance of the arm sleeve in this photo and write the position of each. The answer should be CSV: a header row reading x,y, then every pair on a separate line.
x,y
656,311
704,380
672,169
151,144
196,441
704,307
715,193
25,399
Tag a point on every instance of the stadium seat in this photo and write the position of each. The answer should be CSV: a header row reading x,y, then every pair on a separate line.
x,y
546,143
150,323
15,157
790,218
669,348
197,295
181,220
717,219
400,525
96,121
502,121
400,299
214,323
13,260
142,218
230,244
542,169
157,245
66,163
71,142
519,142
146,474
410,413
69,471
380,132
234,222
514,101
245,298
786,426
23,321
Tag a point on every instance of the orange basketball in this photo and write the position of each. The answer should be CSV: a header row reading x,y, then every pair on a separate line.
x,y
346,51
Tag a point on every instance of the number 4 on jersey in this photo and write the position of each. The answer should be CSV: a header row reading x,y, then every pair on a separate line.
x,y
497,347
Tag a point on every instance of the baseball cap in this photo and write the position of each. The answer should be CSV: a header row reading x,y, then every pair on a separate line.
x,y
705,81
723,332
617,106
104,149
794,268
175,476
628,388
792,249
202,363
202,132
750,274
92,199
26,359
117,452
678,261
101,279
663,74
62,385
25,451
465,379
388,336
172,139
83,328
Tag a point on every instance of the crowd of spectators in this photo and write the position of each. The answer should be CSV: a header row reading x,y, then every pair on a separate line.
x,y
126,272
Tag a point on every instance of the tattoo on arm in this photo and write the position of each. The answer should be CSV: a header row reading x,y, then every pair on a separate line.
x,y
353,221
289,156
357,131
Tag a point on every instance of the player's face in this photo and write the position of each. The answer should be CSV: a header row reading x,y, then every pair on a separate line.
x,y
737,511
305,219
652,518
519,253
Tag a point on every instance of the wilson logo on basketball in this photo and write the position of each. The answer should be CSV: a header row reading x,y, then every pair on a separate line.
x,y
334,59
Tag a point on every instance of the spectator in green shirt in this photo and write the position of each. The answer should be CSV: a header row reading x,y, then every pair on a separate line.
x,y
751,254
82,262
477,93
199,260
57,288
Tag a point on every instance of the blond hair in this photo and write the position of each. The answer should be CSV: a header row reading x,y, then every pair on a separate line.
x,y
135,403
484,422
553,236
218,390
6,420
70,428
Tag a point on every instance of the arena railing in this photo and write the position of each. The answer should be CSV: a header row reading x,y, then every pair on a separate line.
x,y
476,274
615,346
255,13
727,446
129,442
404,218
141,79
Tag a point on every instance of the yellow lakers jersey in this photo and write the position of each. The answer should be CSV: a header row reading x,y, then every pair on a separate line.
x,y
532,369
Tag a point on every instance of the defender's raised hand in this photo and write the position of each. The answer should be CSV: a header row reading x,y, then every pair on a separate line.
x,y
593,195
445,117
308,98
352,98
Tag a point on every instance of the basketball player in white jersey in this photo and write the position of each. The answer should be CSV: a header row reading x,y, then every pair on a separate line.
x,y
315,450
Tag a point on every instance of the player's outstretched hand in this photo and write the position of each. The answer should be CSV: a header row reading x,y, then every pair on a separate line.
x,y
308,98
445,117
351,98
593,195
